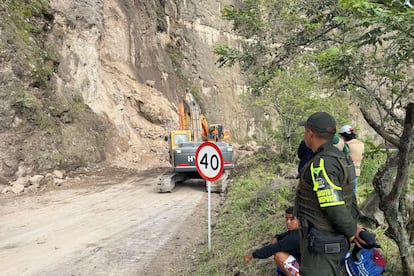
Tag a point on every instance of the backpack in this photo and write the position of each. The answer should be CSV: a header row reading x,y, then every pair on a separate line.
x,y
370,263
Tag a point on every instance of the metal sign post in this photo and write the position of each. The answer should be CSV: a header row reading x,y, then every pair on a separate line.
x,y
210,166
209,215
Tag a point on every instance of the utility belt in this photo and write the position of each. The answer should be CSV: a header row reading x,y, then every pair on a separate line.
x,y
324,242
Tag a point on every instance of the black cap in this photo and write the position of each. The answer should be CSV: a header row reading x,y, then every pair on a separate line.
x,y
321,122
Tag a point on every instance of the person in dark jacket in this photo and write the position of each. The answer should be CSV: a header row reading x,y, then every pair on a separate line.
x,y
304,154
284,247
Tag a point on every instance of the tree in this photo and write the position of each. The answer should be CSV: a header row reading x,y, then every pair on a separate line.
x,y
375,61
367,49
294,95
277,77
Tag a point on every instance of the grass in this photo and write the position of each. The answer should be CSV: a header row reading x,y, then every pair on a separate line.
x,y
253,213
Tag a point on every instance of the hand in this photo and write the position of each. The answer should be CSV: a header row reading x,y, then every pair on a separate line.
x,y
356,238
247,258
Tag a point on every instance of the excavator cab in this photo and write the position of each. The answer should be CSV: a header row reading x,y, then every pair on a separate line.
x,y
217,133
179,138
176,138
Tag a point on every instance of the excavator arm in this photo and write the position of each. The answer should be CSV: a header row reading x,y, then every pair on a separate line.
x,y
191,118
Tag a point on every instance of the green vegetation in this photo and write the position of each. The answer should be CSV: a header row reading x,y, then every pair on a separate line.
x,y
69,133
162,25
294,95
175,55
45,122
360,48
253,213
27,21
78,104
22,13
373,157
25,101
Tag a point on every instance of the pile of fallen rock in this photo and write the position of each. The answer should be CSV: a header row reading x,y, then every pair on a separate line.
x,y
34,183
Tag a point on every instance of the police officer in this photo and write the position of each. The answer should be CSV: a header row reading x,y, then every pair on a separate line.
x,y
325,203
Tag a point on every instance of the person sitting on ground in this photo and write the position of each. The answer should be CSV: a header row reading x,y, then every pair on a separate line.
x,y
284,247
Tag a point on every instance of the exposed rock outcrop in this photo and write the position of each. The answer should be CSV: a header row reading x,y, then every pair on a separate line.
x,y
87,81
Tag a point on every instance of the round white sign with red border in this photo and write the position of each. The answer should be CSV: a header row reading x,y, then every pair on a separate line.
x,y
209,161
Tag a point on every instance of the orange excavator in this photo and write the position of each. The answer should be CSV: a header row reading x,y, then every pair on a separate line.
x,y
183,143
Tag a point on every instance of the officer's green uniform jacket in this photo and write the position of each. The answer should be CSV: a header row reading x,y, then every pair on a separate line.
x,y
322,196
325,198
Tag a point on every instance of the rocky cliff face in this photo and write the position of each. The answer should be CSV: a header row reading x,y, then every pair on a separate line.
x,y
114,73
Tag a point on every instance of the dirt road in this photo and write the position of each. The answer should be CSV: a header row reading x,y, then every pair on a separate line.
x,y
108,223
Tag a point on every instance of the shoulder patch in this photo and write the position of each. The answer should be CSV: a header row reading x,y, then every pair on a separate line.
x,y
327,192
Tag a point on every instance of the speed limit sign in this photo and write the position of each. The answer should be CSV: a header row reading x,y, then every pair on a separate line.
x,y
209,161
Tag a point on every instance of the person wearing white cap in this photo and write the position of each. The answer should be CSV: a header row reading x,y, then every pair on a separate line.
x,y
356,149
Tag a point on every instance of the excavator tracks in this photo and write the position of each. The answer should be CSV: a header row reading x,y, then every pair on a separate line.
x,y
220,185
167,181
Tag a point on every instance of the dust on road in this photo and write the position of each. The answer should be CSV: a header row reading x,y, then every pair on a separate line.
x,y
113,223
